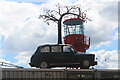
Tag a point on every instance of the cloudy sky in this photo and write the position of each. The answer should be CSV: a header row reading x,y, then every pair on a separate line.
x,y
21,32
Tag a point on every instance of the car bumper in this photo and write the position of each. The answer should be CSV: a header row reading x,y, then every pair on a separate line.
x,y
31,65
94,63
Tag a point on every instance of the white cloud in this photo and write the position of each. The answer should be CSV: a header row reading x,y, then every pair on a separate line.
x,y
1,55
28,0
101,28
3,60
23,59
21,27
106,59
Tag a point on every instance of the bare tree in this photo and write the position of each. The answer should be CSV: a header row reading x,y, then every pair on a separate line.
x,y
57,15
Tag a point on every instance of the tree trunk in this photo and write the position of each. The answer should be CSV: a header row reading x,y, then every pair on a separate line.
x,y
59,32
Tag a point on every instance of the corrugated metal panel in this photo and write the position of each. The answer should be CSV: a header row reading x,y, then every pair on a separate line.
x,y
53,74
33,73
96,74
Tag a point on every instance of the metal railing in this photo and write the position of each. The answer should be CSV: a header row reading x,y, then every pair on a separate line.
x,y
9,65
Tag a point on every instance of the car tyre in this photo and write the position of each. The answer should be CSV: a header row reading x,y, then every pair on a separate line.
x,y
43,64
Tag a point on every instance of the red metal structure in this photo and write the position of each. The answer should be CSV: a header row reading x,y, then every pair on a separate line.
x,y
74,33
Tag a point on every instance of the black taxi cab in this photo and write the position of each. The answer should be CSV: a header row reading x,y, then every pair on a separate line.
x,y
48,56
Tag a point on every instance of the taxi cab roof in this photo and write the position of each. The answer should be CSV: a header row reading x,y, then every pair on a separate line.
x,y
55,45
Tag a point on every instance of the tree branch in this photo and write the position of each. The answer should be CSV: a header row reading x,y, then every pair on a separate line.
x,y
59,9
52,15
47,17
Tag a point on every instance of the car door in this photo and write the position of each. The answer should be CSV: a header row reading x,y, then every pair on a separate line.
x,y
56,53
45,54
68,55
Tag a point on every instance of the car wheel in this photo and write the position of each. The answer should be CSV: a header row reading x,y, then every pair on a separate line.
x,y
85,64
44,65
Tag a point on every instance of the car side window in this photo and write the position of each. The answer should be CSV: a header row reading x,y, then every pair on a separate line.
x,y
56,49
45,49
